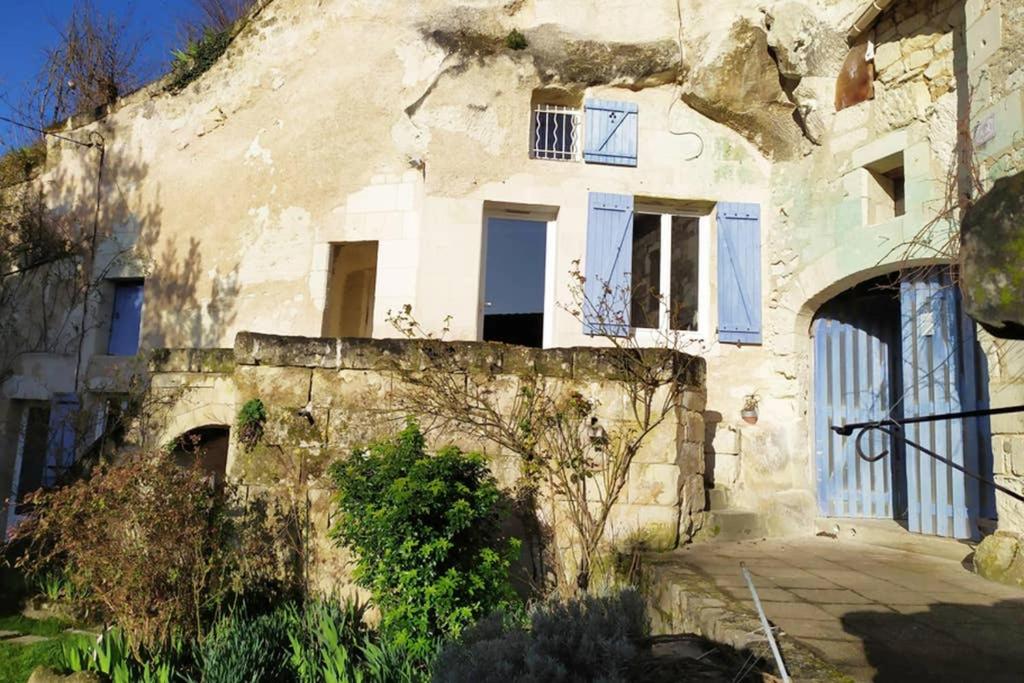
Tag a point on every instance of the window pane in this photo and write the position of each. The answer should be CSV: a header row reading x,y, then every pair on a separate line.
x,y
646,270
554,133
685,271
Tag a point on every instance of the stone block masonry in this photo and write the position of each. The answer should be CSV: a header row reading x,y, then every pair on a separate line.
x,y
326,397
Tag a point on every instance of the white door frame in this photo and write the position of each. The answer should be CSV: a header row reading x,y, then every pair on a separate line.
x,y
534,214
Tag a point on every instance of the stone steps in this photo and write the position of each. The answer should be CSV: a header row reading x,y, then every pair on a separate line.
x,y
730,525
718,499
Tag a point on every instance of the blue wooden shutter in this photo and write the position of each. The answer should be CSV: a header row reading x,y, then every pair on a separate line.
x,y
609,259
126,322
611,133
739,273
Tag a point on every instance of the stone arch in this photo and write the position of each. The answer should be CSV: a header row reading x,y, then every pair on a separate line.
x,y
205,447
822,293
818,286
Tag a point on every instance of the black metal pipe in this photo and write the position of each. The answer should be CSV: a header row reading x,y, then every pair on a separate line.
x,y
848,429
882,428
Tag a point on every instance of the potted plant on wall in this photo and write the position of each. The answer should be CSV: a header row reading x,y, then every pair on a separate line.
x,y
749,411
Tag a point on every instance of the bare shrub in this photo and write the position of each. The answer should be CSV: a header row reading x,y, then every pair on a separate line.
x,y
151,546
565,454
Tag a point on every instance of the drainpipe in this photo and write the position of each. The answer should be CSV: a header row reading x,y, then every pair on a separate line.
x,y
867,18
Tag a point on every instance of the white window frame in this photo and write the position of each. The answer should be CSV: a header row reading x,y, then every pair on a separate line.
x,y
657,337
575,151
548,216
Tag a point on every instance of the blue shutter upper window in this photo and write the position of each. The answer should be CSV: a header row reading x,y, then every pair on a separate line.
x,y
739,273
607,288
126,320
611,133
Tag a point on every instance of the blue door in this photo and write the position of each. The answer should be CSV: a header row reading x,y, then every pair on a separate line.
x,y
943,371
901,347
855,339
126,320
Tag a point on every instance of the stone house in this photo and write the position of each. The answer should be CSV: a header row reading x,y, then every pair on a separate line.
x,y
779,175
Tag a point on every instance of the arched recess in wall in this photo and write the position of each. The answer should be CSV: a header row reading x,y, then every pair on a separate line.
x,y
892,346
204,447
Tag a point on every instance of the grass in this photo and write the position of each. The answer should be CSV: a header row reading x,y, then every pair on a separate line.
x,y
49,627
18,661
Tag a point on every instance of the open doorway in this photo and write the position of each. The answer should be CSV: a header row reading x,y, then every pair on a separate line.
x,y
515,266
205,448
351,289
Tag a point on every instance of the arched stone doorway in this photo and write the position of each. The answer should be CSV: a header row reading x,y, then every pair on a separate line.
x,y
204,447
891,347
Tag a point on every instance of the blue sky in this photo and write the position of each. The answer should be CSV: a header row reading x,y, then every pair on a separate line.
x,y
27,29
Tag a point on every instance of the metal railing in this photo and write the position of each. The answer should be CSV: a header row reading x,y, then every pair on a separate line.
x,y
894,427
556,133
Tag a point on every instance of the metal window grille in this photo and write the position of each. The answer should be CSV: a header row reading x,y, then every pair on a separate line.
x,y
556,133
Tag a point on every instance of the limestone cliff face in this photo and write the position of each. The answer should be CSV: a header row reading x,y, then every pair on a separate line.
x,y
992,253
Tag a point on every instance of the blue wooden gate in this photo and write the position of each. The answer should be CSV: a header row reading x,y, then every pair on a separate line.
x,y
939,376
854,344
901,352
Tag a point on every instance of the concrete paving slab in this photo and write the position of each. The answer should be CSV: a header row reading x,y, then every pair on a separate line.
x,y
878,614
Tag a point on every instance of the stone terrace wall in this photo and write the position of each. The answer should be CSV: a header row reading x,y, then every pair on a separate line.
x,y
325,397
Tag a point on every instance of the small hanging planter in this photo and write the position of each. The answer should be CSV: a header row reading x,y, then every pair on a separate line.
x,y
749,411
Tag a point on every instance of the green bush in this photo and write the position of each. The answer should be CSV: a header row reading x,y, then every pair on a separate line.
x,y
197,58
251,418
515,40
584,639
425,531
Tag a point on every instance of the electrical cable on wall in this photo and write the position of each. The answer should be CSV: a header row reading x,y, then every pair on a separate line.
x,y
677,96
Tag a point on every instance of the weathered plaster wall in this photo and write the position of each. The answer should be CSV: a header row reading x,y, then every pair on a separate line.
x,y
402,122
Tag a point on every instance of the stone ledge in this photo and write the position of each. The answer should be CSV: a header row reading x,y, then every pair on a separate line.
x,y
491,358
682,600
215,361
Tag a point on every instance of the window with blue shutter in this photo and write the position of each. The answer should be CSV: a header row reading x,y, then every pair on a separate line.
x,y
609,259
610,136
126,320
739,273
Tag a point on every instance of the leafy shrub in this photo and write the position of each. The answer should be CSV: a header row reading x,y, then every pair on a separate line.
x,y
515,40
251,418
583,639
197,58
425,530
149,545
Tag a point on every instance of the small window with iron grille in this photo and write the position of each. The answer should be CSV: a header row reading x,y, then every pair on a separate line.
x,y
556,132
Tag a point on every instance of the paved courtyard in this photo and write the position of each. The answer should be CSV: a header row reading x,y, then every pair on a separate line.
x,y
877,614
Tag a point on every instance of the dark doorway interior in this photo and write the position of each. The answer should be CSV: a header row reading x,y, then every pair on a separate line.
x,y
206,448
514,281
